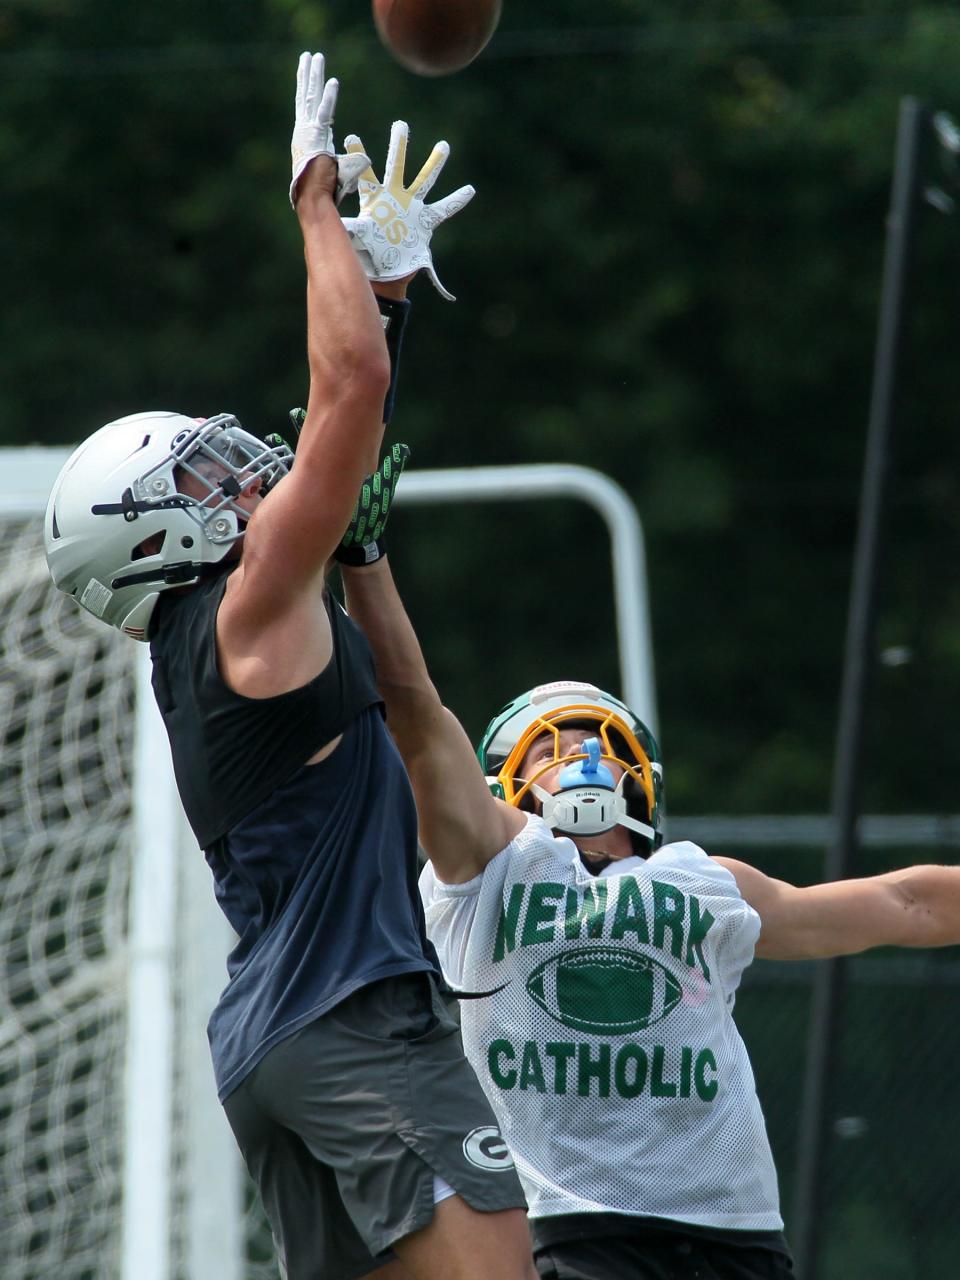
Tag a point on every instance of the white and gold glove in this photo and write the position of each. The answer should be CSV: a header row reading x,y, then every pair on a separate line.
x,y
313,128
392,232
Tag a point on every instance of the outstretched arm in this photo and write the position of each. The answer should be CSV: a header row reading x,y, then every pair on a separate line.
x,y
294,531
272,630
462,826
912,907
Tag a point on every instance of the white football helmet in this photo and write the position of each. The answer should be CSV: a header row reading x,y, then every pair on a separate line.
x,y
119,530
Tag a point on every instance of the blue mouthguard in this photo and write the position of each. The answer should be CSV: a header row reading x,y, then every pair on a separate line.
x,y
589,772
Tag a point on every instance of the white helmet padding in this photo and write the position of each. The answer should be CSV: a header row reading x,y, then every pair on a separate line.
x,y
589,802
118,530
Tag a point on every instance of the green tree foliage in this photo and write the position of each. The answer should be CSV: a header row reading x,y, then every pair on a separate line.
x,y
670,273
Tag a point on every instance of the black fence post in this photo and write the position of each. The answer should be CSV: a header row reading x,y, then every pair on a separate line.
x,y
805,1228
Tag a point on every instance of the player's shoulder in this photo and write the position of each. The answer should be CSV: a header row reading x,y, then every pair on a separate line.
x,y
687,857
534,844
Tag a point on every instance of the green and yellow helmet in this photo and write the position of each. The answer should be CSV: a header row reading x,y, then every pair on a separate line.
x,y
622,737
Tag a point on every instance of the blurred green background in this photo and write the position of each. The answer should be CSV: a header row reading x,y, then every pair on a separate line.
x,y
670,273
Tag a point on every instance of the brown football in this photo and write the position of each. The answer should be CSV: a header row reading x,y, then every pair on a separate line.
x,y
435,37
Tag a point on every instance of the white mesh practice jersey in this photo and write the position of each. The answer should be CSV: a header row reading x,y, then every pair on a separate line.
x,y
608,1049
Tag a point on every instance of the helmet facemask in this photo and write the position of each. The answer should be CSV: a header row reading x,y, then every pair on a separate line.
x,y
149,503
212,467
589,800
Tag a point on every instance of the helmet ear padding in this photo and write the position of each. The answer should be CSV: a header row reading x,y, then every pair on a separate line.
x,y
527,802
638,808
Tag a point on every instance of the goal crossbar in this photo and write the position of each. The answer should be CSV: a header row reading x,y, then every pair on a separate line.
x,y
29,474
605,496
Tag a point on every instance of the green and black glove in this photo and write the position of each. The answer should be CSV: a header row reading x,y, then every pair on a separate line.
x,y
363,541
277,441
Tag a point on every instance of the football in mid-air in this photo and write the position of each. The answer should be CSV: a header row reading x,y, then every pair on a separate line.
x,y
435,37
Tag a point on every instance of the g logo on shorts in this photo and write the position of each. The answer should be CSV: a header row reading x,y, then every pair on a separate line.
x,y
485,1148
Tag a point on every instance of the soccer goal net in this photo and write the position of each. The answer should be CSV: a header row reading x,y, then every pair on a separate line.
x,y
66,703
115,1159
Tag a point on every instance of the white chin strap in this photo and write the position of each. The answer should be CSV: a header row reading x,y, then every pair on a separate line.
x,y
588,811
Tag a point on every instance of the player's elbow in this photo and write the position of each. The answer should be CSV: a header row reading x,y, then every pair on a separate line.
x,y
364,367
372,366
417,720
365,388
927,904
413,706
357,375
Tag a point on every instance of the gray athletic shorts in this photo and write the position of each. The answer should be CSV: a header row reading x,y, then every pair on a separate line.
x,y
345,1124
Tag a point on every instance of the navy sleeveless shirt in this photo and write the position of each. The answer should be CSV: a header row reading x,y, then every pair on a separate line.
x,y
315,866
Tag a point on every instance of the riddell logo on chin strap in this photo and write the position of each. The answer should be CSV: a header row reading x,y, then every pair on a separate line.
x,y
486,1149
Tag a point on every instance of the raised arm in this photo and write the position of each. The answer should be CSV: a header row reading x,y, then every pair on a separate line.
x,y
912,907
462,826
273,633
391,242
302,520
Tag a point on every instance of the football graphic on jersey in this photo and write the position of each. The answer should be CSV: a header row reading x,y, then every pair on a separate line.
x,y
604,990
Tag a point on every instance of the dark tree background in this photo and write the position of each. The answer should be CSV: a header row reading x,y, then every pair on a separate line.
x,y
670,273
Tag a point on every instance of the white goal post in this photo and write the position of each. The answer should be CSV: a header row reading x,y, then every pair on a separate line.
x,y
115,1159
560,480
